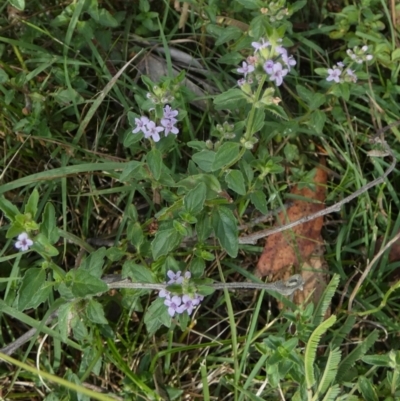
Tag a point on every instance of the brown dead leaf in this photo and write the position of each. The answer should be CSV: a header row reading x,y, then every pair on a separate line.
x,y
295,246
314,273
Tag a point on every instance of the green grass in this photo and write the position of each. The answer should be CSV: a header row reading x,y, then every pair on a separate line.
x,y
71,85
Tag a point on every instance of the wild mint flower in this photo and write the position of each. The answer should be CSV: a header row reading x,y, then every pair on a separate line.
x,y
340,64
260,45
141,124
269,66
152,131
173,305
289,61
24,242
245,69
334,74
187,304
169,113
241,81
278,73
179,303
169,127
352,77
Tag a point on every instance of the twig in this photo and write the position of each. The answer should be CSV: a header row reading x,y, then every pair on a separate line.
x,y
114,281
254,237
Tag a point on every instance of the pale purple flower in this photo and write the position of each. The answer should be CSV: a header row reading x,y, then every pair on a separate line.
x,y
288,60
340,64
141,124
153,131
241,81
281,50
260,45
269,66
334,75
245,69
197,299
173,305
164,294
24,242
169,126
278,73
187,304
187,275
169,113
174,277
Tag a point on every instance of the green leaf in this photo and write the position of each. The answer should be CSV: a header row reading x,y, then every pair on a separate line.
x,y
204,160
18,4
311,349
95,312
367,389
227,34
197,267
226,153
291,152
135,235
129,171
33,290
94,262
106,19
325,300
83,284
355,355
42,245
304,93
48,226
225,228
203,227
157,316
154,160
330,372
195,198
8,208
377,360
229,99
259,121
164,242
212,184
137,273
235,182
317,121
3,76
259,200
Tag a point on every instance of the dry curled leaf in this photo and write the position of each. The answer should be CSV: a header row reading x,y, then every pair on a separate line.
x,y
295,246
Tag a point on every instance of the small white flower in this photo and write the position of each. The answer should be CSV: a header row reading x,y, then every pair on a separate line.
x,y
364,49
24,242
369,57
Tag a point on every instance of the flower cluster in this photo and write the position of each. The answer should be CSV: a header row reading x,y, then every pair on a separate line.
x,y
358,55
274,60
151,130
176,303
338,73
24,242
